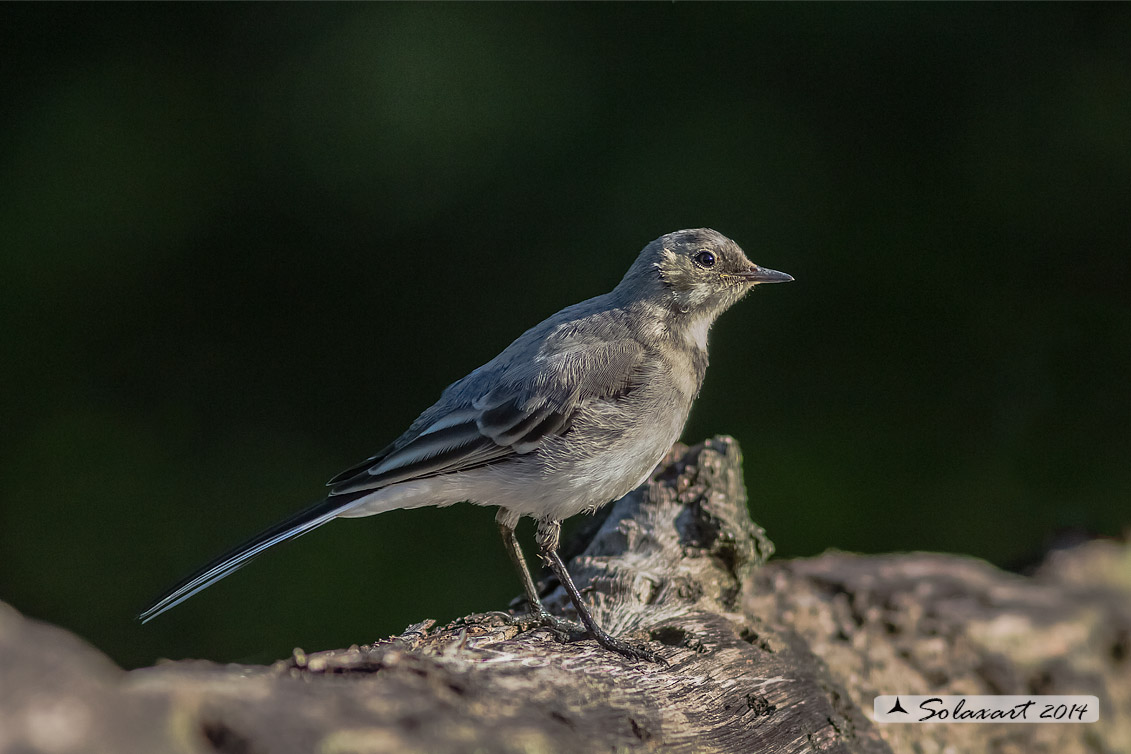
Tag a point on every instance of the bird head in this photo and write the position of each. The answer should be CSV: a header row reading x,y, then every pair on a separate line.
x,y
699,272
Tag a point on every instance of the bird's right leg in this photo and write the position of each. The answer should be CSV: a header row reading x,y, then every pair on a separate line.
x,y
537,613
549,535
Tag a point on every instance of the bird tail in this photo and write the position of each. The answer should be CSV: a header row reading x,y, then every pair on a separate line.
x,y
302,522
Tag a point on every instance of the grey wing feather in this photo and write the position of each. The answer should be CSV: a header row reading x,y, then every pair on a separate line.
x,y
360,467
528,402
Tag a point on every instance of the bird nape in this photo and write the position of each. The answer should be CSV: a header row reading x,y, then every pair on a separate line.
x,y
572,415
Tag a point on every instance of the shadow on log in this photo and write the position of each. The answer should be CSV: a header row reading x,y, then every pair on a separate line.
x,y
781,657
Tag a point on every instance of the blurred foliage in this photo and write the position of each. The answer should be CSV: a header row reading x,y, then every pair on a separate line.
x,y
244,245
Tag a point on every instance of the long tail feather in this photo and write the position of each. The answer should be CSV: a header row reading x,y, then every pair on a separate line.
x,y
302,522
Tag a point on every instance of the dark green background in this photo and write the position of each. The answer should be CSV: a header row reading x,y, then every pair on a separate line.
x,y
243,246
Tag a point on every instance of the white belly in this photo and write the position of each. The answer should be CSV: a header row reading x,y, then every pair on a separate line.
x,y
553,483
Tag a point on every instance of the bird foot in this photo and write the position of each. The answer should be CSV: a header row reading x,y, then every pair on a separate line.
x,y
630,649
568,630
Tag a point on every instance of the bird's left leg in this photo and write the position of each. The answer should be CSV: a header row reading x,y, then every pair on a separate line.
x,y
537,614
549,537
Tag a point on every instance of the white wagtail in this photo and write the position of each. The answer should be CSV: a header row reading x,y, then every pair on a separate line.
x,y
575,413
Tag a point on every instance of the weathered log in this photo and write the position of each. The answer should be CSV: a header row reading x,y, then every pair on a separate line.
x,y
781,657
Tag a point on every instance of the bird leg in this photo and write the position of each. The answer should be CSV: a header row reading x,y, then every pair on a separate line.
x,y
549,536
537,613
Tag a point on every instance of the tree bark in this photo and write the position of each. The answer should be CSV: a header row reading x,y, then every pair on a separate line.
x,y
777,657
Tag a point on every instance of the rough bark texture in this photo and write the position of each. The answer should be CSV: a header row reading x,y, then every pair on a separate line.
x,y
783,657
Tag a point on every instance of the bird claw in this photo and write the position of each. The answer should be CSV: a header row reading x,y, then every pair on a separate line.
x,y
629,649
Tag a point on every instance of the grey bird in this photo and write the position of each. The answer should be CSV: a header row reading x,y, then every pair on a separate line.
x,y
575,413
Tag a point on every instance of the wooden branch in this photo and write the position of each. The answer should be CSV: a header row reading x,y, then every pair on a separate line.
x,y
782,657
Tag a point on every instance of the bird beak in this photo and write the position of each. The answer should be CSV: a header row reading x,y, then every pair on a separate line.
x,y
758,274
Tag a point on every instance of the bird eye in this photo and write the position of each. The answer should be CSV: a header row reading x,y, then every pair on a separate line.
x,y
705,259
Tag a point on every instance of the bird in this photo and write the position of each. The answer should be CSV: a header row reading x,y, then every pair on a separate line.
x,y
575,413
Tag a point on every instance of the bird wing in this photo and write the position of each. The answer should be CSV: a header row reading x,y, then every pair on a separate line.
x,y
529,403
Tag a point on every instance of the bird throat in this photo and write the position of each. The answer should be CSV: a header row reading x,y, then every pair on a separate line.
x,y
695,331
